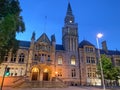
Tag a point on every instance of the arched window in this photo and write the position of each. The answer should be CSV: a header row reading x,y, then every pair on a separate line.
x,y
73,61
21,58
59,59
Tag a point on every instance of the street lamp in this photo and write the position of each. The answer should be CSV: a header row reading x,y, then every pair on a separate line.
x,y
100,35
56,76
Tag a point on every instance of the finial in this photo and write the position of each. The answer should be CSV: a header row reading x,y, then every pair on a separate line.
x,y
33,36
68,1
53,38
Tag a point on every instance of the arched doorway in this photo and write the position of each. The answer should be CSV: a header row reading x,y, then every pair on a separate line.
x,y
45,75
35,73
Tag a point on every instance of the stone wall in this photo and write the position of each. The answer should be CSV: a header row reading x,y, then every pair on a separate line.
x,y
9,81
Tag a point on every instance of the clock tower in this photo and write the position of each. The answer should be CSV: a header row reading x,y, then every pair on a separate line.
x,y
70,31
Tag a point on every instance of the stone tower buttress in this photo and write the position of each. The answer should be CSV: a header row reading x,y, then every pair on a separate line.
x,y
31,53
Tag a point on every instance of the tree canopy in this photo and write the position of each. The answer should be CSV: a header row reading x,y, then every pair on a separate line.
x,y
110,72
10,23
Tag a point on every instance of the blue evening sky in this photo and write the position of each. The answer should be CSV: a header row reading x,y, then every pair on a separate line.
x,y
92,16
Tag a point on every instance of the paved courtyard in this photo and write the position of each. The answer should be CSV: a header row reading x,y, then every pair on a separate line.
x,y
69,88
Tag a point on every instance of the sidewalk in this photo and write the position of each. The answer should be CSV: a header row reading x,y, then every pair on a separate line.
x,y
69,88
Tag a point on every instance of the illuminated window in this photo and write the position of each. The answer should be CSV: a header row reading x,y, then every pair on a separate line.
x,y
60,60
45,70
73,60
21,58
35,69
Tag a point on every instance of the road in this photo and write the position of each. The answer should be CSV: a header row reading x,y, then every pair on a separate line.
x,y
68,88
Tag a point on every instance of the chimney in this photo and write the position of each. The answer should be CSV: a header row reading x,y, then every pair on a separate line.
x,y
104,46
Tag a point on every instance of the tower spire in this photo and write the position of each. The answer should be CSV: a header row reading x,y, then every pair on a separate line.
x,y
69,19
69,10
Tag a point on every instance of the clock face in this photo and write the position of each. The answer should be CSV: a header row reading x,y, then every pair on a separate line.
x,y
70,21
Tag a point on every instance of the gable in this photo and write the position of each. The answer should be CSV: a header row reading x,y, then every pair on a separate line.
x,y
43,38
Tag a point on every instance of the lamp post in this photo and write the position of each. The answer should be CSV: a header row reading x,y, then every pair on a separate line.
x,y
56,76
99,35
3,78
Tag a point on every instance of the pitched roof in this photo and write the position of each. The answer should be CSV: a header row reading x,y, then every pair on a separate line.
x,y
27,45
110,52
59,47
24,44
85,42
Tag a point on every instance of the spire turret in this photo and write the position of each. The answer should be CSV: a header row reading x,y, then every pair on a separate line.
x,y
33,36
32,40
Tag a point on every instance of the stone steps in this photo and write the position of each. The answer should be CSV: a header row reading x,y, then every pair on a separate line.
x,y
40,84
25,83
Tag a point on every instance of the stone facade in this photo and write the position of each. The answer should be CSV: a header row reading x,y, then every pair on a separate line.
x,y
72,62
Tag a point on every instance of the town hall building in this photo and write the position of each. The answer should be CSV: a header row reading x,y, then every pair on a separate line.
x,y
72,62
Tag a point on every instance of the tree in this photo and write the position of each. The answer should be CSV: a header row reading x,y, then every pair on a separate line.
x,y
110,72
115,74
10,23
